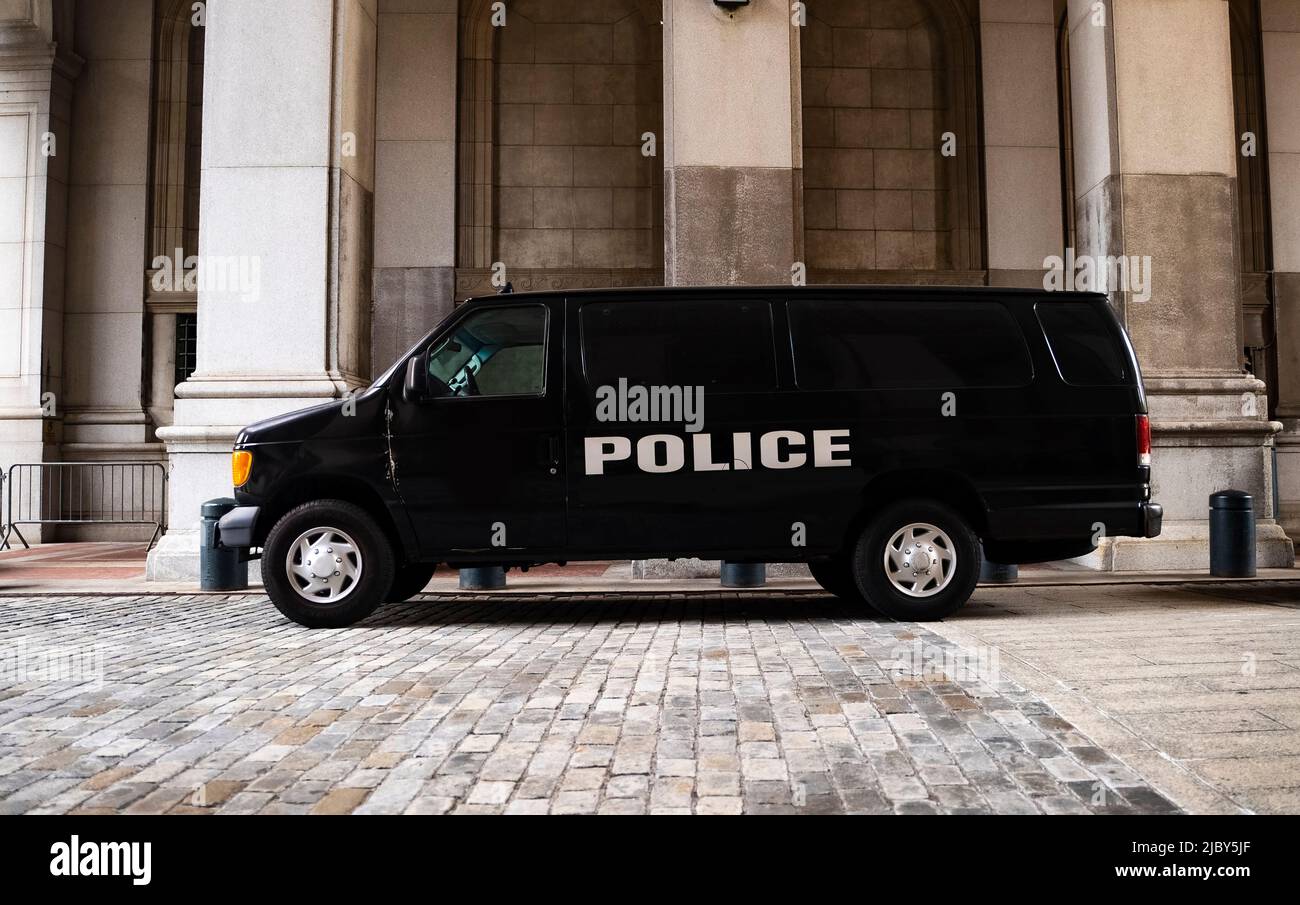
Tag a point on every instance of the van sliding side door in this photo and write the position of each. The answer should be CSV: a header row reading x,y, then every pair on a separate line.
x,y
660,484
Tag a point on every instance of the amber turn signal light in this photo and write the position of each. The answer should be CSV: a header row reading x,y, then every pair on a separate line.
x,y
241,463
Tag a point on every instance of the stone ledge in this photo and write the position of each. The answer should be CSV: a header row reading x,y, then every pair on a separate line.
x,y
1184,548
176,558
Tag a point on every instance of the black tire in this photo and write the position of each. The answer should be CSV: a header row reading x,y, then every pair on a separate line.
x,y
410,580
835,575
359,598
946,589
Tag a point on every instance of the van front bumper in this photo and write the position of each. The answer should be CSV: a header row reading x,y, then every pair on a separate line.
x,y
236,527
1152,516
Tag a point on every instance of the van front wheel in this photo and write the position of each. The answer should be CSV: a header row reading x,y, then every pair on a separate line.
x,y
327,564
917,561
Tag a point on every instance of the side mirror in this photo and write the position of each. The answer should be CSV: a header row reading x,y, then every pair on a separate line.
x,y
415,388
419,385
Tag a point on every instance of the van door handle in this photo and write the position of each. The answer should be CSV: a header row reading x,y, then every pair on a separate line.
x,y
553,453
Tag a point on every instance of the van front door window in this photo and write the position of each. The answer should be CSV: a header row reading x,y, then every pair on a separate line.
x,y
495,352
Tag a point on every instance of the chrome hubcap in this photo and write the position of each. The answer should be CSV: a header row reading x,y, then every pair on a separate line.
x,y
323,565
920,560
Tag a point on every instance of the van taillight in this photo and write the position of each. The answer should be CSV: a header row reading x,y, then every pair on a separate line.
x,y
1144,439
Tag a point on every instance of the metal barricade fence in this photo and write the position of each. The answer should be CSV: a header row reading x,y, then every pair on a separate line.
x,y
84,493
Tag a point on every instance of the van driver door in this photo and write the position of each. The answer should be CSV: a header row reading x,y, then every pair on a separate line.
x,y
479,465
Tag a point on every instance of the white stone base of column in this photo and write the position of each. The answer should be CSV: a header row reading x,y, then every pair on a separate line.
x,y
1184,547
679,569
176,558
198,453
199,465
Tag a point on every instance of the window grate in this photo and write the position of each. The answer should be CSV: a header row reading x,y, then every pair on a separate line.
x,y
187,345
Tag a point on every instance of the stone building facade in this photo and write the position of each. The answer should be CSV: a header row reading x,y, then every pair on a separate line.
x,y
345,169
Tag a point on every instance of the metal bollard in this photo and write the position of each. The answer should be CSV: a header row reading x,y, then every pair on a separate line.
x,y
1232,534
219,570
482,578
744,574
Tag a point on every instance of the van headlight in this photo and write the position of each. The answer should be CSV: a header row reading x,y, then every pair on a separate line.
x,y
241,465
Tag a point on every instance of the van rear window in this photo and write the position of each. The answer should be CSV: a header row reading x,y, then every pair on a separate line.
x,y
723,346
1084,343
856,345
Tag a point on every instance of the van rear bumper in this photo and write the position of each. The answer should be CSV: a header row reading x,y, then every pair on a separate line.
x,y
1152,516
1050,533
236,527
1061,520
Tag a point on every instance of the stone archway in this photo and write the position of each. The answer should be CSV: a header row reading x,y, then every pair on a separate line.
x,y
882,83
552,181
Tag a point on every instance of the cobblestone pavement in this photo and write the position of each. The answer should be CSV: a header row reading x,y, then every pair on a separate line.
x,y
721,703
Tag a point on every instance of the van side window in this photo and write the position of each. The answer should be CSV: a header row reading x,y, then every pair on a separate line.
x,y
723,346
1083,343
494,352
842,344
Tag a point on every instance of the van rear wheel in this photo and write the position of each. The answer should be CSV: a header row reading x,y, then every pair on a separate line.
x,y
917,560
327,564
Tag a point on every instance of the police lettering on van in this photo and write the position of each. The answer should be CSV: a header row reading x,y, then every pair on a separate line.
x,y
777,450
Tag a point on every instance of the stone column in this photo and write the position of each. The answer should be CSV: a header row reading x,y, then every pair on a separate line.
x,y
1155,176
415,192
285,168
729,143
1022,153
37,70
731,151
1280,22
104,321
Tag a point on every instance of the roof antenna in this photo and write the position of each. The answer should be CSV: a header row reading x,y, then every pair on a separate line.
x,y
506,289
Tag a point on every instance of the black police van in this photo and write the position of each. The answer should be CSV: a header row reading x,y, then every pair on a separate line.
x,y
879,435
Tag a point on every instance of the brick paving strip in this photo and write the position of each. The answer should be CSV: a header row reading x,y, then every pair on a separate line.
x,y
707,703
